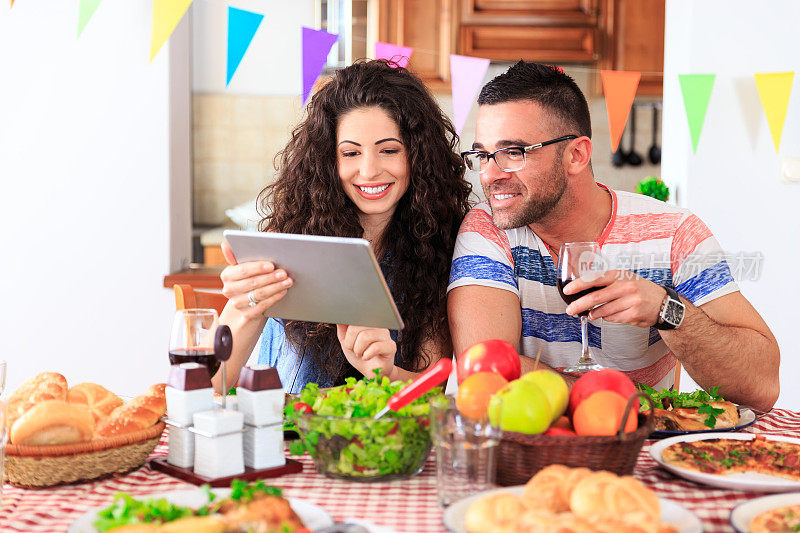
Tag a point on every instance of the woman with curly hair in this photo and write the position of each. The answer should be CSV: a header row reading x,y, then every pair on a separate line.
x,y
374,158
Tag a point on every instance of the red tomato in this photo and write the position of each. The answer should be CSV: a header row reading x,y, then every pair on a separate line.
x,y
492,355
302,407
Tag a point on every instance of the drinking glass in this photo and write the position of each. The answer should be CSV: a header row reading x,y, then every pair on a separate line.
x,y
3,436
576,260
2,377
192,338
465,452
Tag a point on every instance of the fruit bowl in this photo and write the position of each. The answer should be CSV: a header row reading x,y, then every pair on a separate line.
x,y
364,449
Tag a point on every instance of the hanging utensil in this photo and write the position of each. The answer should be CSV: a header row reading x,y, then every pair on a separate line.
x,y
654,154
421,384
632,158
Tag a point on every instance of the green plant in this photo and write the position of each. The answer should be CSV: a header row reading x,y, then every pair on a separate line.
x,y
653,186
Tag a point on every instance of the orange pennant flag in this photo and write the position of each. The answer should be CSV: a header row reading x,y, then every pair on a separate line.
x,y
12,4
619,88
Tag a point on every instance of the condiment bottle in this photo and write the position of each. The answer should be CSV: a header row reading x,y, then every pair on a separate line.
x,y
261,400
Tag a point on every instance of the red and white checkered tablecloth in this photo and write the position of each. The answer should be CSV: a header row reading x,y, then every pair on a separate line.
x,y
403,506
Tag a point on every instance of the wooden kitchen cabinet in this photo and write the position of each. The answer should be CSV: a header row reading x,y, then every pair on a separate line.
x,y
557,31
429,26
634,35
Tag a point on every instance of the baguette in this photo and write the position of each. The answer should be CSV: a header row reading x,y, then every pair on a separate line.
x,y
53,422
100,401
39,388
140,413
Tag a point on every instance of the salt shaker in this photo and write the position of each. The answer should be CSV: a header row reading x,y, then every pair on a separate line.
x,y
188,391
261,400
218,443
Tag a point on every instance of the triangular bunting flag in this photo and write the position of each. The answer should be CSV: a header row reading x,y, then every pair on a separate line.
x,y
393,52
85,12
619,88
316,46
242,27
696,90
12,4
166,15
466,77
774,89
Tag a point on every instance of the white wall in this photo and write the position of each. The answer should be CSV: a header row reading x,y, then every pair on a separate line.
x,y
272,64
85,134
733,181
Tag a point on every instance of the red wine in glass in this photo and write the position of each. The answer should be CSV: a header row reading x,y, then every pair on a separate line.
x,y
569,298
575,260
205,357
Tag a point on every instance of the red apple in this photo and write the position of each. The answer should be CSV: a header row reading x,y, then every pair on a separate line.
x,y
491,355
595,380
560,432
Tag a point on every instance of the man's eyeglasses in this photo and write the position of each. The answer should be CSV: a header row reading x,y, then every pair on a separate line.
x,y
509,159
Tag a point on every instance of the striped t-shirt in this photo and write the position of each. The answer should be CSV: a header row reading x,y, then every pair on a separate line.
x,y
660,242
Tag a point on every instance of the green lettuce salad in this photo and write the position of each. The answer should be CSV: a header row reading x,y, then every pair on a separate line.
x,y
337,429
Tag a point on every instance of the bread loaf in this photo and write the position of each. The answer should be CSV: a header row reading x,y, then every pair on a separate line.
x,y
493,512
551,487
97,398
140,413
604,493
39,388
53,422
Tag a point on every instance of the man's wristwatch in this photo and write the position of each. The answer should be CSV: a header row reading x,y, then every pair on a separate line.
x,y
672,310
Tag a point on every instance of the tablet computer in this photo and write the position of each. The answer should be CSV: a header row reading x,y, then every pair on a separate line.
x,y
337,280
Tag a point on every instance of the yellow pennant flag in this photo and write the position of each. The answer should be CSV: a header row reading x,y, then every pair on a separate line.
x,y
166,15
774,89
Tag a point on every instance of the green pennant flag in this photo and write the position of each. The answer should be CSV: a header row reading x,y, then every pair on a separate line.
x,y
696,89
85,12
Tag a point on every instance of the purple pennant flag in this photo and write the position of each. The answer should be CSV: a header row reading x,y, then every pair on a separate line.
x,y
393,52
316,46
466,74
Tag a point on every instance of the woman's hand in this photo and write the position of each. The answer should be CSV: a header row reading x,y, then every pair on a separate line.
x,y
368,348
257,281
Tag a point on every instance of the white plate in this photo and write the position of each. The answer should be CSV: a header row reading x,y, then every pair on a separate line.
x,y
681,518
743,514
746,418
746,481
313,516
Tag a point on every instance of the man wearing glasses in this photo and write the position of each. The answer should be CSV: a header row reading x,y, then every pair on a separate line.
x,y
670,294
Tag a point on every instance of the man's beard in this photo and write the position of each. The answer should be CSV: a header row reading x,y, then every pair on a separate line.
x,y
536,207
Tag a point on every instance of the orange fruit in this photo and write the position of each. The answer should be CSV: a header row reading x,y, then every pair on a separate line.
x,y
600,414
472,398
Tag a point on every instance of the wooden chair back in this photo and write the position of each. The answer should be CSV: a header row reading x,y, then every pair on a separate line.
x,y
677,385
188,298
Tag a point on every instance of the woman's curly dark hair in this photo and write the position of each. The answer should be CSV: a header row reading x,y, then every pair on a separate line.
x,y
307,197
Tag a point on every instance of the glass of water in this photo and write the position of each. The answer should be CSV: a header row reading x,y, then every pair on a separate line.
x,y
465,452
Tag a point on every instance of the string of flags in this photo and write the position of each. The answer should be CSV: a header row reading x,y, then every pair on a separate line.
x,y
466,73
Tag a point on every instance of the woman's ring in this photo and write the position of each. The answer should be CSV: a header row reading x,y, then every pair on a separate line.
x,y
251,297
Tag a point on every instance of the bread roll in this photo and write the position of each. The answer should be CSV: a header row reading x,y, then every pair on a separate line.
x,y
604,493
97,398
494,513
551,487
53,422
140,413
39,388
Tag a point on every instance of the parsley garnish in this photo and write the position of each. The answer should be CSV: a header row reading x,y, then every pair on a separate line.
x,y
698,399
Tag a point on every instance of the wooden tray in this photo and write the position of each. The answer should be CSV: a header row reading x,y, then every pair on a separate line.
x,y
250,474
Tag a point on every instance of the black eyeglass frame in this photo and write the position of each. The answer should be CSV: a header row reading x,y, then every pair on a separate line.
x,y
525,149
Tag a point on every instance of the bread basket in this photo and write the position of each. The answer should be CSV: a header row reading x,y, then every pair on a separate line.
x,y
521,455
47,466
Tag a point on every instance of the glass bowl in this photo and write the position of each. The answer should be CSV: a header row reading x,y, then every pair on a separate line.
x,y
364,449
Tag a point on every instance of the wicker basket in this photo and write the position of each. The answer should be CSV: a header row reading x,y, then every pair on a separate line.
x,y
46,466
520,455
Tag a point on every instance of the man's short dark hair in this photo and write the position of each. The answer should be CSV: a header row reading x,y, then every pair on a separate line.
x,y
547,86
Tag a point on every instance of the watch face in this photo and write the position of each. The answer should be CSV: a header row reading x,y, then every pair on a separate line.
x,y
673,314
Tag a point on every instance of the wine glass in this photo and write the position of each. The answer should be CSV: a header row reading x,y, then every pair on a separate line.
x,y
576,260
192,338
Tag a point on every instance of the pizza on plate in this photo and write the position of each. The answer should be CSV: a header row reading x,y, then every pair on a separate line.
x,y
779,520
729,456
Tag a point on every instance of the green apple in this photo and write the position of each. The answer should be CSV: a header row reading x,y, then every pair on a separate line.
x,y
553,386
520,406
